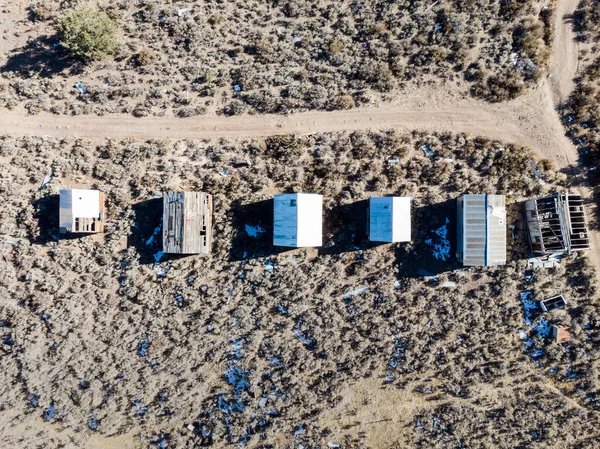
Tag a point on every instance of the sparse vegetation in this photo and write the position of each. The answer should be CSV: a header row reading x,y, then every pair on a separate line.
x,y
582,113
251,345
298,55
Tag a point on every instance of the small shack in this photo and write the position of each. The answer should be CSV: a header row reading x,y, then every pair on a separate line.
x,y
556,224
298,220
389,219
187,222
481,230
81,211
560,333
550,304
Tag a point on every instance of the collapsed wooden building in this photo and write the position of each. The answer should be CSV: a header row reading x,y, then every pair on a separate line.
x,y
481,230
556,224
187,223
298,220
389,219
81,211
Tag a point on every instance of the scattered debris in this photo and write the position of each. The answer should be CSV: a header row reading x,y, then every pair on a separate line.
x,y
46,180
254,231
556,302
448,284
50,412
358,291
428,151
427,274
441,250
153,236
81,87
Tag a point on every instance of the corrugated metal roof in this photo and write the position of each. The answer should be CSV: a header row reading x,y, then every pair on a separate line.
x,y
484,230
496,238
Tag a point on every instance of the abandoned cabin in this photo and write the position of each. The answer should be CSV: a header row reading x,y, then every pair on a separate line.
x,y
556,302
389,219
298,220
81,211
481,230
556,224
560,333
187,222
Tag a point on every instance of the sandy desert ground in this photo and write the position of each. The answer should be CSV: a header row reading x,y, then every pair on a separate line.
x,y
106,344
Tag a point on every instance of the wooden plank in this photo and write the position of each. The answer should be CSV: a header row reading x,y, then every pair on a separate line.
x,y
187,222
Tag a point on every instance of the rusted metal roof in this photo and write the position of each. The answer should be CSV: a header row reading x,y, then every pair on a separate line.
x,y
187,222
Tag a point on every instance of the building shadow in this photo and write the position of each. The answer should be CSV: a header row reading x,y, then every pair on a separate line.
x,y
433,248
40,56
345,229
253,231
47,210
518,241
146,232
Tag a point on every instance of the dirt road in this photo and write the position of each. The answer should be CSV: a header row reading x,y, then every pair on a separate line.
x,y
530,120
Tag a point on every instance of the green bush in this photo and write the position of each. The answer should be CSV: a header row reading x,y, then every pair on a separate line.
x,y
88,34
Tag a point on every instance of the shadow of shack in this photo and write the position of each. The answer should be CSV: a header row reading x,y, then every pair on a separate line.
x,y
253,231
345,229
46,215
145,235
433,249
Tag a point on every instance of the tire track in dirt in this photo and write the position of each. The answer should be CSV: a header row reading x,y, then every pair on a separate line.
x,y
531,120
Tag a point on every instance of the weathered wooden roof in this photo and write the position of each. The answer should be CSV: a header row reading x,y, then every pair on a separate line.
x,y
187,222
298,220
389,219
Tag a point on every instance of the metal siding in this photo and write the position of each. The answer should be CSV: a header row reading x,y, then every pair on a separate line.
x,y
285,222
65,220
401,224
390,219
310,220
496,230
380,219
474,230
299,225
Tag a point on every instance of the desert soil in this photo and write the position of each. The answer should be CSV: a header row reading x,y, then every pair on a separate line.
x,y
530,120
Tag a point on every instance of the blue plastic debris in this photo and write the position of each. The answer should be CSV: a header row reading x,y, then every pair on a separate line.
x,y
33,400
237,88
93,423
143,347
49,412
81,87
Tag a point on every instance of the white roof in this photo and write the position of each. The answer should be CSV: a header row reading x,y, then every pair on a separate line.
x,y
390,219
298,220
82,203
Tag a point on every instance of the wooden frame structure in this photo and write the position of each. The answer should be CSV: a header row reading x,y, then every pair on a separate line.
x,y
557,224
187,223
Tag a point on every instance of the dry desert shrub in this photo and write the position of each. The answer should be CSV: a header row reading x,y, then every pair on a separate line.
x,y
252,345
283,56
